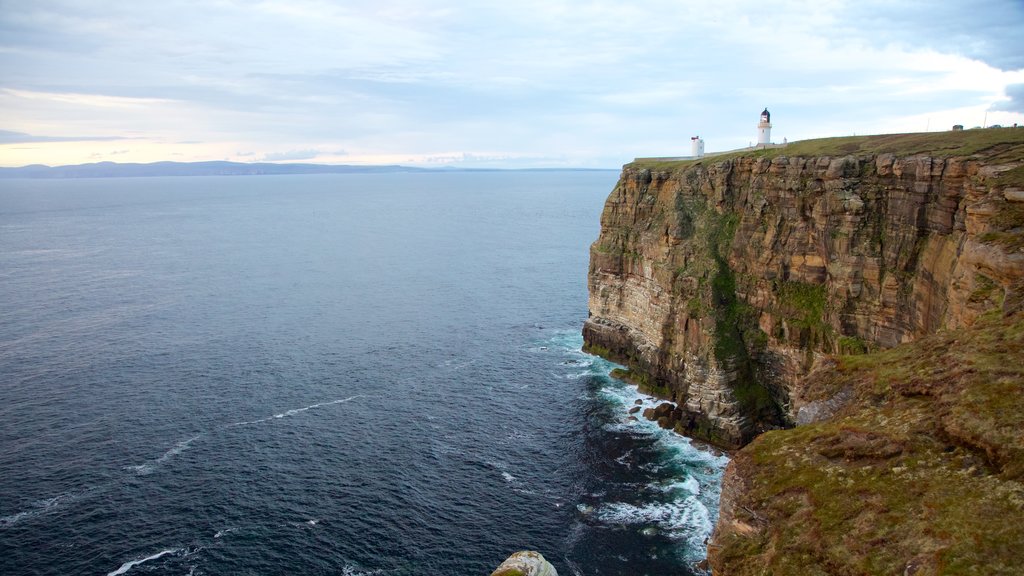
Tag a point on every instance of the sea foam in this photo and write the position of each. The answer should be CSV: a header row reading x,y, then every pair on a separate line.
x,y
131,564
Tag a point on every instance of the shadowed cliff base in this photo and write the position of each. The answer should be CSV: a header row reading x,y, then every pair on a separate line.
x,y
723,283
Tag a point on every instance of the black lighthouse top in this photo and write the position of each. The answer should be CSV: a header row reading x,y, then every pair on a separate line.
x,y
766,115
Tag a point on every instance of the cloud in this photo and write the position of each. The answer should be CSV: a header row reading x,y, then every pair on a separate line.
x,y
291,155
985,30
1015,101
588,81
87,100
9,137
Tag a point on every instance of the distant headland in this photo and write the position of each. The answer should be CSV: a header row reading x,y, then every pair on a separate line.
x,y
219,168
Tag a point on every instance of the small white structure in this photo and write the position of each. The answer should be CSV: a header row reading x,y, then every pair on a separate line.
x,y
764,129
697,147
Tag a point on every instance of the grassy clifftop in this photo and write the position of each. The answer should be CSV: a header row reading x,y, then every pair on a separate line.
x,y
921,473
992,144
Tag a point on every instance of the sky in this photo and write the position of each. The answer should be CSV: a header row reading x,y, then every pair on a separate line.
x,y
550,83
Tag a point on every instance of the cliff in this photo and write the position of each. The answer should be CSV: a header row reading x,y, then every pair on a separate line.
x,y
921,472
722,283
854,304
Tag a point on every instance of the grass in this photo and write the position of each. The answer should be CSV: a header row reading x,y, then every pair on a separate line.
x,y
804,306
997,144
852,345
925,468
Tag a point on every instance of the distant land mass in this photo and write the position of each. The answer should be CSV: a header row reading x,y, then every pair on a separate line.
x,y
118,170
217,168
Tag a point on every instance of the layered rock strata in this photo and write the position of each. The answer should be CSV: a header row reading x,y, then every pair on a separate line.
x,y
723,283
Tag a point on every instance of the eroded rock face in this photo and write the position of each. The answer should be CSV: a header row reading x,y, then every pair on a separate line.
x,y
723,284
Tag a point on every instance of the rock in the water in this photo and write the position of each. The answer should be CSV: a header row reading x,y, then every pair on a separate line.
x,y
525,564
634,409
664,410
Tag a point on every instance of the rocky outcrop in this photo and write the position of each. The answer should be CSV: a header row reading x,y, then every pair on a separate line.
x,y
919,472
723,283
525,564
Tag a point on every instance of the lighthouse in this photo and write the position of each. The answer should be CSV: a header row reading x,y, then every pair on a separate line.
x,y
696,147
764,129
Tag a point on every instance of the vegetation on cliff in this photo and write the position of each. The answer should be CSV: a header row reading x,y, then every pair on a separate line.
x,y
922,472
996,144
724,281
866,294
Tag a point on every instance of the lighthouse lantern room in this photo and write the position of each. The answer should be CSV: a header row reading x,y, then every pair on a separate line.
x,y
764,129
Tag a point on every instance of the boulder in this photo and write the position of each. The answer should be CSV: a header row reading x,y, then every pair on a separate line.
x,y
525,564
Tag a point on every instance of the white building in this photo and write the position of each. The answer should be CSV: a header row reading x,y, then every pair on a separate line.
x,y
697,147
764,129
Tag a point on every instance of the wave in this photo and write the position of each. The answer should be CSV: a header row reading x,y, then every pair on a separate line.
x,y
38,507
46,504
295,411
150,467
220,533
686,519
131,564
354,571
683,506
690,485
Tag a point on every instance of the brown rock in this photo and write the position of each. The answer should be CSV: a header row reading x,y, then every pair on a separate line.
x,y
871,248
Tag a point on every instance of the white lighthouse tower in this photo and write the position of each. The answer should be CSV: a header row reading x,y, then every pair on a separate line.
x,y
697,147
764,129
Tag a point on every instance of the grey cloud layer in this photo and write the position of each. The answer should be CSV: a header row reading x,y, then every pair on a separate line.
x,y
538,77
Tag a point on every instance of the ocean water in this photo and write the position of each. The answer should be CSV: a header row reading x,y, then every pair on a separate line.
x,y
336,374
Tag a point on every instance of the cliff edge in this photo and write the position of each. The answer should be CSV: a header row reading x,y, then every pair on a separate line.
x,y
722,283
850,310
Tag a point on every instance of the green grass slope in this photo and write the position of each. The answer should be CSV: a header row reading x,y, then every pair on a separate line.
x,y
921,473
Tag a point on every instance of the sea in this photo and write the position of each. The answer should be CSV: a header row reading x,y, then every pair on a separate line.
x,y
355,374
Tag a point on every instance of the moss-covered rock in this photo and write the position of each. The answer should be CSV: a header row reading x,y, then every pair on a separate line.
x,y
921,473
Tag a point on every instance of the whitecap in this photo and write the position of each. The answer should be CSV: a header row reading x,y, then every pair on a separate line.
x,y
354,571
572,566
140,469
624,459
13,518
177,449
585,509
295,411
690,485
508,477
38,507
131,564
150,467
685,518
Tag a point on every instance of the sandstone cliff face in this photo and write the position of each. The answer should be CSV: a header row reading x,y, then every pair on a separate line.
x,y
724,283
